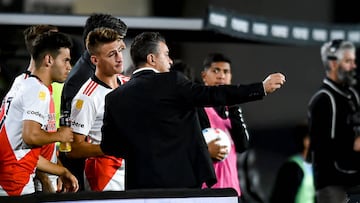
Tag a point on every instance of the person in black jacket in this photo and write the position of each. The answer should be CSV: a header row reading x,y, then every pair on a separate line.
x,y
152,121
79,74
331,112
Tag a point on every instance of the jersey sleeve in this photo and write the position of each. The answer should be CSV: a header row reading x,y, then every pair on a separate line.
x,y
36,104
83,113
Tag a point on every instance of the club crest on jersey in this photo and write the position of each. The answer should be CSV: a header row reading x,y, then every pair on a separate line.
x,y
42,95
79,104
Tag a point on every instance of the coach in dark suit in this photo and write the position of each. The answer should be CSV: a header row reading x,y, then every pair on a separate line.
x,y
151,121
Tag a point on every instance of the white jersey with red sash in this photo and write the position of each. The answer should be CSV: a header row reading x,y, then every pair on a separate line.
x,y
103,173
29,101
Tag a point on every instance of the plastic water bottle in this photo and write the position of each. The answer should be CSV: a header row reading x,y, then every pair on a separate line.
x,y
65,121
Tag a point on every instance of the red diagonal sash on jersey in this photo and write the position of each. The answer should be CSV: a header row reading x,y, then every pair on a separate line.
x,y
14,174
100,170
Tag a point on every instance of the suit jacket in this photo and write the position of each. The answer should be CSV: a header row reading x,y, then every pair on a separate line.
x,y
152,122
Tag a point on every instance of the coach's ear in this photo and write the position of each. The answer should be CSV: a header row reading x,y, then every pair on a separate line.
x,y
150,59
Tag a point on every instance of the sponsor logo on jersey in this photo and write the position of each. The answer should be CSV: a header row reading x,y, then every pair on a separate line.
x,y
76,124
36,113
42,95
79,104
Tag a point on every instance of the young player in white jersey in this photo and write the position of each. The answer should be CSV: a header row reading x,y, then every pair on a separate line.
x,y
102,173
27,120
43,182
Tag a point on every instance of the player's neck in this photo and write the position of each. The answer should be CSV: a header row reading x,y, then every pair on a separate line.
x,y
111,81
43,75
31,66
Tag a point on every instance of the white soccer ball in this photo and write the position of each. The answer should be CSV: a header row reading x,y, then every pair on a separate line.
x,y
211,134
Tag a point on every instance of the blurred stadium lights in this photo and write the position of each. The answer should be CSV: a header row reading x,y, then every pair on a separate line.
x,y
277,31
